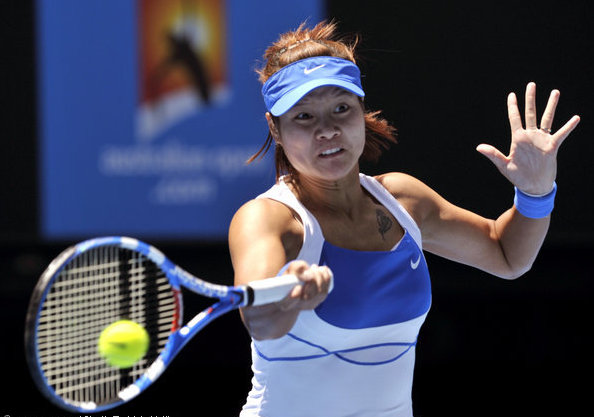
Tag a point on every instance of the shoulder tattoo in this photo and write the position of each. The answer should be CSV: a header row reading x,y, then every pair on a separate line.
x,y
384,223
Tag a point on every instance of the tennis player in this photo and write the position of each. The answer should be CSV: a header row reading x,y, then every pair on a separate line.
x,y
351,352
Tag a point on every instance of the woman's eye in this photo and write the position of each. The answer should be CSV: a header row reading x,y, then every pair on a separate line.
x,y
303,116
341,108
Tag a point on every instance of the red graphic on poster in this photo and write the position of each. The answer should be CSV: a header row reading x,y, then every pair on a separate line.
x,y
182,68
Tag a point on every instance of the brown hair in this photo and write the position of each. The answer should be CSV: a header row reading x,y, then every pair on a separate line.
x,y
321,40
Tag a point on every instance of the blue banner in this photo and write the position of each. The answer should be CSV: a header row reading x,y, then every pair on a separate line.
x,y
148,111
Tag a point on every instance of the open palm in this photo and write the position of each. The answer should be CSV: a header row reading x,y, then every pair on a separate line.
x,y
531,164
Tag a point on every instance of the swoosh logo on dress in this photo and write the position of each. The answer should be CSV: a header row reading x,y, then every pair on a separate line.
x,y
415,264
308,71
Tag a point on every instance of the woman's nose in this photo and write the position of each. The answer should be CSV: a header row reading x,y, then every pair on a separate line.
x,y
327,129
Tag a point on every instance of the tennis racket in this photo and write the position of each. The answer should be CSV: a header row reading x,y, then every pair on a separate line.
x,y
99,281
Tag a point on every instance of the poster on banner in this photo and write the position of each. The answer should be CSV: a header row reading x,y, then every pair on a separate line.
x,y
148,110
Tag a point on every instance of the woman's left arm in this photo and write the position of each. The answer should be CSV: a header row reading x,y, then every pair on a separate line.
x,y
507,246
531,167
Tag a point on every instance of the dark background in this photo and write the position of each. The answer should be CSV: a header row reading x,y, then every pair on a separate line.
x,y
441,72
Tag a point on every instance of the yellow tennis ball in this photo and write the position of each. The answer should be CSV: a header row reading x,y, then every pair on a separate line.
x,y
123,343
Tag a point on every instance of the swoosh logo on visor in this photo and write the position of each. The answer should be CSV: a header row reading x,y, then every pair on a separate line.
x,y
308,71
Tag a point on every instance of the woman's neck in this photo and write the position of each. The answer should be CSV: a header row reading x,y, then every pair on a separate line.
x,y
341,196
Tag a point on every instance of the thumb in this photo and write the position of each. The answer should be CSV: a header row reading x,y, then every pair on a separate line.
x,y
494,155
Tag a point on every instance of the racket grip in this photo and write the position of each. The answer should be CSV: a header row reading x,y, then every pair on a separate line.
x,y
271,290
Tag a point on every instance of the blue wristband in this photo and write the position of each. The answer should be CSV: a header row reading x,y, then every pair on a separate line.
x,y
535,207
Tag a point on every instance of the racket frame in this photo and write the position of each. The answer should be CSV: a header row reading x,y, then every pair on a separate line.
x,y
230,298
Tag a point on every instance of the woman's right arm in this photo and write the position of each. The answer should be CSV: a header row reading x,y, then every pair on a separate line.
x,y
263,237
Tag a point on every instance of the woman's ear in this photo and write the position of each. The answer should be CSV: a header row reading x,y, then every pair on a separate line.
x,y
272,127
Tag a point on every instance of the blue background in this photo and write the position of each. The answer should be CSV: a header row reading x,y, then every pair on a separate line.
x,y
88,95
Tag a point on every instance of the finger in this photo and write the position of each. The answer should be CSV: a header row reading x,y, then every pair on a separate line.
x,y
513,113
562,133
309,273
530,106
313,286
311,282
297,267
327,278
322,279
549,114
494,155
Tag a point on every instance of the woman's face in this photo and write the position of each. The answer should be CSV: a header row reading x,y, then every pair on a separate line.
x,y
323,135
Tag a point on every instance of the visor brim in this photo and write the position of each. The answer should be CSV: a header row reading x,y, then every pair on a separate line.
x,y
291,98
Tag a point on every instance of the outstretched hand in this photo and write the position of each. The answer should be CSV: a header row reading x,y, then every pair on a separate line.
x,y
313,290
532,161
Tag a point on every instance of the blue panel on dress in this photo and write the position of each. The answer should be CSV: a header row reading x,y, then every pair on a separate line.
x,y
375,288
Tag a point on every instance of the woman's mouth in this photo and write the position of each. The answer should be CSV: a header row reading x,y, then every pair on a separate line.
x,y
330,152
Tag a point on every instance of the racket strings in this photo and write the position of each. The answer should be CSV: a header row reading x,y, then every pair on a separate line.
x,y
97,288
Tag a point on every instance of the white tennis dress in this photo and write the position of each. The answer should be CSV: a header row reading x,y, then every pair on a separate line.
x,y
353,355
